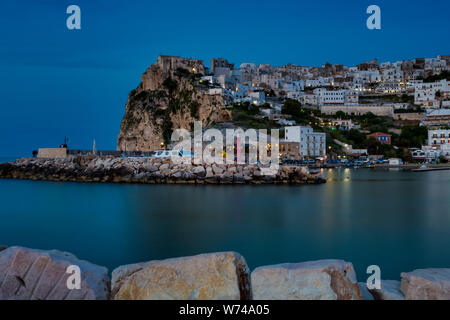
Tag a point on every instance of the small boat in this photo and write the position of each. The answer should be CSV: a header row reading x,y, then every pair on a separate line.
x,y
426,168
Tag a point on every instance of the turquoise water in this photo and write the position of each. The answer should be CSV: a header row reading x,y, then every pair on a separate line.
x,y
397,220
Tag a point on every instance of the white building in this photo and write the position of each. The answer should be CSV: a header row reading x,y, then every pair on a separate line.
x,y
392,75
312,144
344,124
335,97
425,93
256,97
438,144
330,96
308,98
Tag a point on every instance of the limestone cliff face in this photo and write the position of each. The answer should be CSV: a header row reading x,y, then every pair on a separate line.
x,y
169,97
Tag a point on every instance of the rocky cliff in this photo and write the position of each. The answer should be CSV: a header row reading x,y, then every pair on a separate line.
x,y
169,97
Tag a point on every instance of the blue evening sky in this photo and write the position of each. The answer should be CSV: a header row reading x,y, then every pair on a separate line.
x,y
55,82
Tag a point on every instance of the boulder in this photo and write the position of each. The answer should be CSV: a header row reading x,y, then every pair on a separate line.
x,y
198,170
209,172
232,170
426,284
238,178
366,295
164,166
302,171
188,175
390,290
150,168
269,171
214,276
177,174
29,274
315,280
217,169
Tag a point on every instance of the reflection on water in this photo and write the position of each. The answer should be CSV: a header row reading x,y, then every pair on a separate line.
x,y
398,220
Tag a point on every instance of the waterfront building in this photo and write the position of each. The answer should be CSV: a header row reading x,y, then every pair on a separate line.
x,y
437,145
312,144
395,161
289,150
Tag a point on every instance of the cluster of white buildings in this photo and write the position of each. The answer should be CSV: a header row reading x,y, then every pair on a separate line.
x,y
336,87
432,95
332,84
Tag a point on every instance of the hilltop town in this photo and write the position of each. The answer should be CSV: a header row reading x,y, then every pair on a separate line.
x,y
398,110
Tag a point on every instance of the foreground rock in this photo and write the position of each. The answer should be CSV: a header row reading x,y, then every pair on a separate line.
x,y
214,276
390,290
29,274
151,170
426,284
315,280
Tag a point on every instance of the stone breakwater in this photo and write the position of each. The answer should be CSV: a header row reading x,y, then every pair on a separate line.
x,y
30,274
152,170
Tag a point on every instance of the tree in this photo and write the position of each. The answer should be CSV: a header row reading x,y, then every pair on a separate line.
x,y
441,76
292,107
411,136
166,128
405,98
342,115
170,84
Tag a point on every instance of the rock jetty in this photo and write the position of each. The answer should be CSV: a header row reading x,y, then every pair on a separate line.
x,y
152,170
30,274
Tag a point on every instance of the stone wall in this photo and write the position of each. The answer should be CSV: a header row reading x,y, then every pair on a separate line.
x,y
52,153
410,116
359,110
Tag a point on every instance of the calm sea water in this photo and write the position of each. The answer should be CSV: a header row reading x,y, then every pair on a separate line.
x,y
397,220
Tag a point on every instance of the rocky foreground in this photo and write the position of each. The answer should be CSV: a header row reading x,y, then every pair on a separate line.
x,y
151,170
30,274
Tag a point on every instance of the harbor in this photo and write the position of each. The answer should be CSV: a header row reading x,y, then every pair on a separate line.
x,y
395,218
